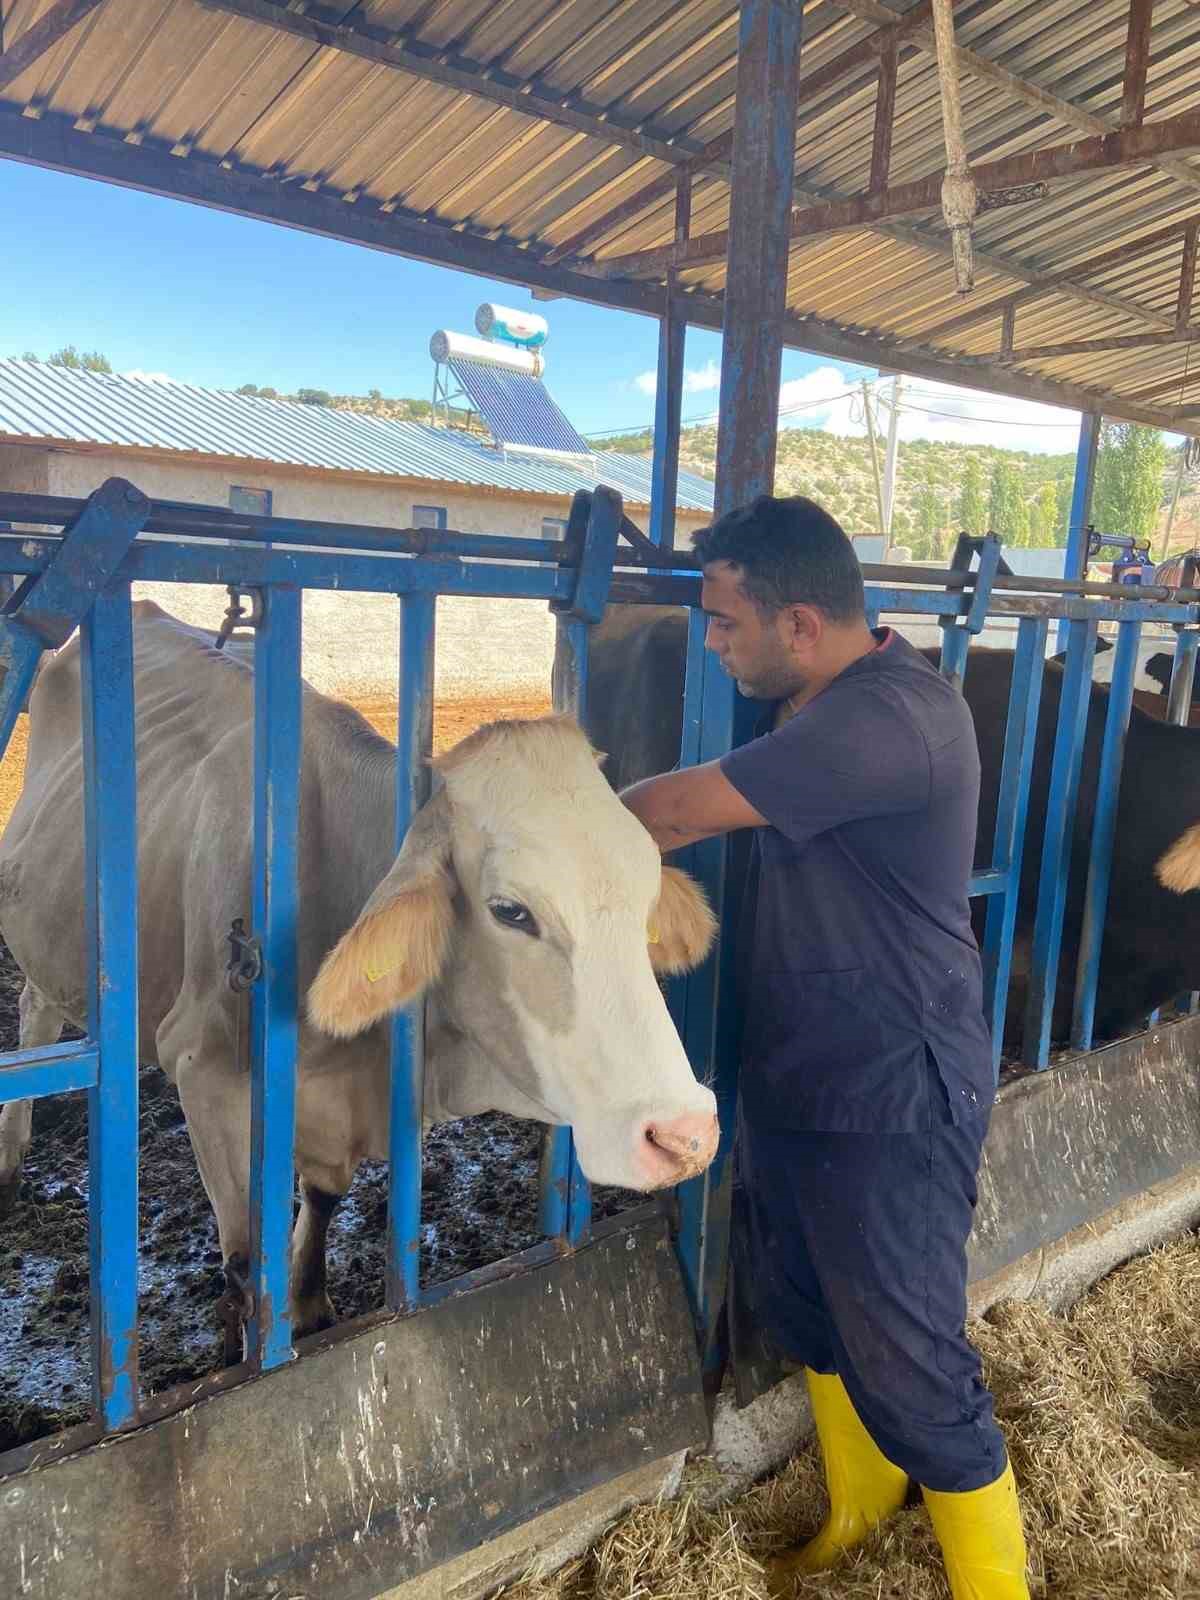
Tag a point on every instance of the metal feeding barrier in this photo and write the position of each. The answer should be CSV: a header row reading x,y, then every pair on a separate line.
x,y
79,573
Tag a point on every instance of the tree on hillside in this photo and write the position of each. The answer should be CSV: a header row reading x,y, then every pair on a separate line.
x,y
1043,517
1021,527
1129,479
88,361
1004,497
927,522
972,507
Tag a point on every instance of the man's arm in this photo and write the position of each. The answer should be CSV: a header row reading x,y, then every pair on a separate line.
x,y
693,803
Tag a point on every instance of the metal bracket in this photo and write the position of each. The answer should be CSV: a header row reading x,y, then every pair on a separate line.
x,y
991,565
236,615
45,609
245,961
592,531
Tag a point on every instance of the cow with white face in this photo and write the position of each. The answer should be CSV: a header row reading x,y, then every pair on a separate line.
x,y
527,904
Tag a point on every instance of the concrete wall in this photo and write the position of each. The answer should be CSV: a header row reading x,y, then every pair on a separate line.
x,y
492,649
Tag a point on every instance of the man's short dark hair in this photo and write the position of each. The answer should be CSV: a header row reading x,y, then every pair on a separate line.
x,y
789,552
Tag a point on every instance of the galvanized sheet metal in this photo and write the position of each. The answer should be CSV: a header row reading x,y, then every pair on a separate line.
x,y
43,402
177,76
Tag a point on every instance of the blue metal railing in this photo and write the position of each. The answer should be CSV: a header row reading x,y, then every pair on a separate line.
x,y
83,578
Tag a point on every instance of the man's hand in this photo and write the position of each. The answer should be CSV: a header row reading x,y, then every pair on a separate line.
x,y
678,808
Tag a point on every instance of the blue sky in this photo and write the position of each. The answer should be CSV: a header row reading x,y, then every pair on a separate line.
x,y
203,297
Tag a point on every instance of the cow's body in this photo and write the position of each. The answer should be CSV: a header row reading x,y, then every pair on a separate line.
x,y
1150,948
551,1020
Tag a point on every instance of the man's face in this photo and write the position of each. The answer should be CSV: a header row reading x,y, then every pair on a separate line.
x,y
751,644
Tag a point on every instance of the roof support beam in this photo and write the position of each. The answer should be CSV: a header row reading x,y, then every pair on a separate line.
x,y
52,142
41,36
1130,147
857,55
1137,60
1187,279
1021,89
1087,347
1069,278
885,117
502,89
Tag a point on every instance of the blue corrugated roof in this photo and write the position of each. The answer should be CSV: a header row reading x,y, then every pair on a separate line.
x,y
517,407
43,403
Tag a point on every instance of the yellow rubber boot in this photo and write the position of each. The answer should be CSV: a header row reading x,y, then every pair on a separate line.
x,y
864,1487
981,1539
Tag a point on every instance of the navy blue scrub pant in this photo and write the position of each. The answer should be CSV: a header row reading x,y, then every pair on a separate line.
x,y
856,1249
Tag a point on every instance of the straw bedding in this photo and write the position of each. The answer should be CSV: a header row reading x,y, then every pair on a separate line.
x,y
1101,1409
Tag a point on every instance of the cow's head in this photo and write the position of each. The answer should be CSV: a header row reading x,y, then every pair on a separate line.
x,y
535,908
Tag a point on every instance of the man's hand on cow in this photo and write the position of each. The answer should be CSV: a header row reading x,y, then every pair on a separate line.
x,y
691,803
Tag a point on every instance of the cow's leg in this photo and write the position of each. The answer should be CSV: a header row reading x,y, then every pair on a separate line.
x,y
216,1103
41,1023
312,1309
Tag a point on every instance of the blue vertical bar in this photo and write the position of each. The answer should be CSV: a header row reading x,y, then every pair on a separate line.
x,y
955,642
1056,849
273,999
871,608
689,756
1081,505
1012,807
1104,830
761,190
668,408
110,833
418,616
565,1207
1179,705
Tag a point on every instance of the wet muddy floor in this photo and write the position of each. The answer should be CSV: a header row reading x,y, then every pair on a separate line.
x,y
480,1205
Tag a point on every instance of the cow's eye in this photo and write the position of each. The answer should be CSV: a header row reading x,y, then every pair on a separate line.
x,y
512,914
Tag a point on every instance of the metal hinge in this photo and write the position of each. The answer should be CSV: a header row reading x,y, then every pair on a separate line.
x,y
245,961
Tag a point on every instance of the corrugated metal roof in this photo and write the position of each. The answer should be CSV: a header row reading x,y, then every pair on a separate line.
x,y
40,402
648,83
517,407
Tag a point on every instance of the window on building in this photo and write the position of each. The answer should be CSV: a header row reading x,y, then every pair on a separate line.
x,y
554,527
250,502
430,517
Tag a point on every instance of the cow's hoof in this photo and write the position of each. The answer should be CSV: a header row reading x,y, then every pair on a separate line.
x,y
314,1316
10,1188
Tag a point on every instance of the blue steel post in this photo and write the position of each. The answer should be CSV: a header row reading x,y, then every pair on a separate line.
x,y
111,921
1104,832
565,1207
1012,806
1081,504
1179,705
1059,836
769,34
274,997
668,394
413,748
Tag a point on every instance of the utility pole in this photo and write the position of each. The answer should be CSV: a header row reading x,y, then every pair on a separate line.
x,y
866,389
889,461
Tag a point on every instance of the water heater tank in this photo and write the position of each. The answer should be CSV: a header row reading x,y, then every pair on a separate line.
x,y
447,346
525,329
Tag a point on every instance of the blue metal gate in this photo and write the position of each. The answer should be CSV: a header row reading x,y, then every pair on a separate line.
x,y
81,577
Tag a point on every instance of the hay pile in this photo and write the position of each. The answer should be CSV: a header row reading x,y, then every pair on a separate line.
x,y
1101,1408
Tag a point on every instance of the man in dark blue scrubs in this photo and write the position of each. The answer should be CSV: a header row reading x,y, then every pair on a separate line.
x,y
866,1079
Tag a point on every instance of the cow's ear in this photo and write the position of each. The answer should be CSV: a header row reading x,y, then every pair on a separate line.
x,y
682,926
398,944
1179,869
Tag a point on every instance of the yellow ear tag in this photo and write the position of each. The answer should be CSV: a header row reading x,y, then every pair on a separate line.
x,y
373,974
652,935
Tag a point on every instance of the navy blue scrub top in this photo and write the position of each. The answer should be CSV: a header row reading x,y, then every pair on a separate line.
x,y
863,968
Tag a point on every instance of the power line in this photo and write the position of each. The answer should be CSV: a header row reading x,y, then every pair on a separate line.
x,y
712,416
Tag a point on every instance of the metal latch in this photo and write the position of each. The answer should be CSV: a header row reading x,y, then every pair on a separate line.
x,y
245,960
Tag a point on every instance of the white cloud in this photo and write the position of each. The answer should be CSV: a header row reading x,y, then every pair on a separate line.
x,y
150,377
702,378
829,397
696,380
